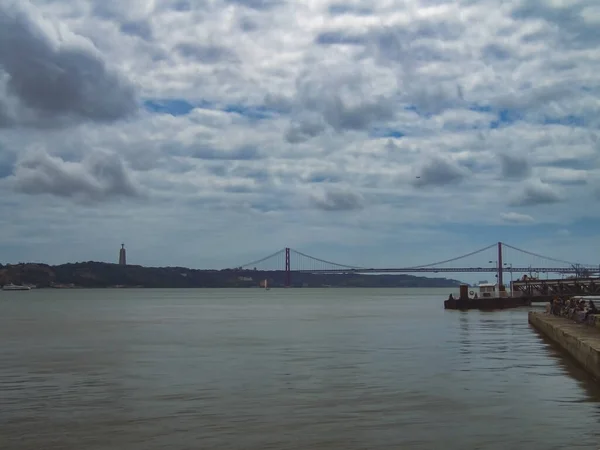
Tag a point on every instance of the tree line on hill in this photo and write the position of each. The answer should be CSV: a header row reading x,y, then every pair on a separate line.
x,y
101,275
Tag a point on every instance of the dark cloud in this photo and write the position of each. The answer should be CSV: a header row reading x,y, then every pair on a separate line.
x,y
247,25
566,182
303,131
431,100
6,118
99,177
7,162
259,175
357,117
140,28
219,169
513,105
279,103
536,194
474,163
571,162
403,43
409,46
323,177
576,30
339,38
45,75
338,200
397,43
440,172
496,52
238,189
342,101
208,54
259,5
339,9
244,153
514,167
182,5
106,9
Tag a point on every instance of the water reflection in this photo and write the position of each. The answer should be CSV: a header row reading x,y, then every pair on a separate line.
x,y
464,341
571,367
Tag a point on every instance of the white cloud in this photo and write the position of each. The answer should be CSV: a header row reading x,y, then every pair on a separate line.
x,y
514,217
328,125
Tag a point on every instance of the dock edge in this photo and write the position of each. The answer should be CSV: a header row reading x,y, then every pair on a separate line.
x,y
579,341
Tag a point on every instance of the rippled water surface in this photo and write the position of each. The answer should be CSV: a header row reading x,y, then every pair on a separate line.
x,y
282,369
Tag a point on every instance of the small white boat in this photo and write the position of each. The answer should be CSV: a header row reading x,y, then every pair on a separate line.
x,y
15,287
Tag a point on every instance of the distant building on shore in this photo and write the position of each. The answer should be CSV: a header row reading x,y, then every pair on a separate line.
x,y
122,256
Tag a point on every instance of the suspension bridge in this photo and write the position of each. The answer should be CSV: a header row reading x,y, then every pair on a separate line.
x,y
497,258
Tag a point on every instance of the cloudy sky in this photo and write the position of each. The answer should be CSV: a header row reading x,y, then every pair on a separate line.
x,y
210,133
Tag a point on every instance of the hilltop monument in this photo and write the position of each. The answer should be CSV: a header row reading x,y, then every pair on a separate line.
x,y
122,256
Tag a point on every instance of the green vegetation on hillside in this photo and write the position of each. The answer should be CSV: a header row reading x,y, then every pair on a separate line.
x,y
98,275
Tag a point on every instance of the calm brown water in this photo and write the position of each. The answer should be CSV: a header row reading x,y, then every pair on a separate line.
x,y
283,369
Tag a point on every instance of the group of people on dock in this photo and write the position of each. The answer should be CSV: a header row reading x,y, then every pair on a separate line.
x,y
573,308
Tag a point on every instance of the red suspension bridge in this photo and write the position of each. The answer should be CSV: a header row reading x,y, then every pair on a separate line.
x,y
498,258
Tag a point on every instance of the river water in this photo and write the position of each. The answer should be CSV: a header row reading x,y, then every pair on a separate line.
x,y
281,369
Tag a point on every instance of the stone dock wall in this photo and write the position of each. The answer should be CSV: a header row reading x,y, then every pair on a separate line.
x,y
580,341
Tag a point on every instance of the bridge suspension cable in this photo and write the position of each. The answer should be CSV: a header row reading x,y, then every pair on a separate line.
x,y
431,266
258,261
453,259
547,257
344,266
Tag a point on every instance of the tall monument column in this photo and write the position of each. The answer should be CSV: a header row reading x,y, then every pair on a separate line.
x,y
122,256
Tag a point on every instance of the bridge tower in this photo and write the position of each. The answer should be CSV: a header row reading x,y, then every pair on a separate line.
x,y
500,281
288,270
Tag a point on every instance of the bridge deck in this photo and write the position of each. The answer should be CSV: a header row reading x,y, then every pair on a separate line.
x,y
565,270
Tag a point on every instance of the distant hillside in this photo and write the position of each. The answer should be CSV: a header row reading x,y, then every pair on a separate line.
x,y
99,275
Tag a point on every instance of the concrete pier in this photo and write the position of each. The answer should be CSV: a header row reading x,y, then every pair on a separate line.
x,y
580,341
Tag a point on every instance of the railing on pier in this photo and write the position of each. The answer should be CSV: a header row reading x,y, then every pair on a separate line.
x,y
559,287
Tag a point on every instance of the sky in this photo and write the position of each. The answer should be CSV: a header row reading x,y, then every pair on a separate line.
x,y
209,134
